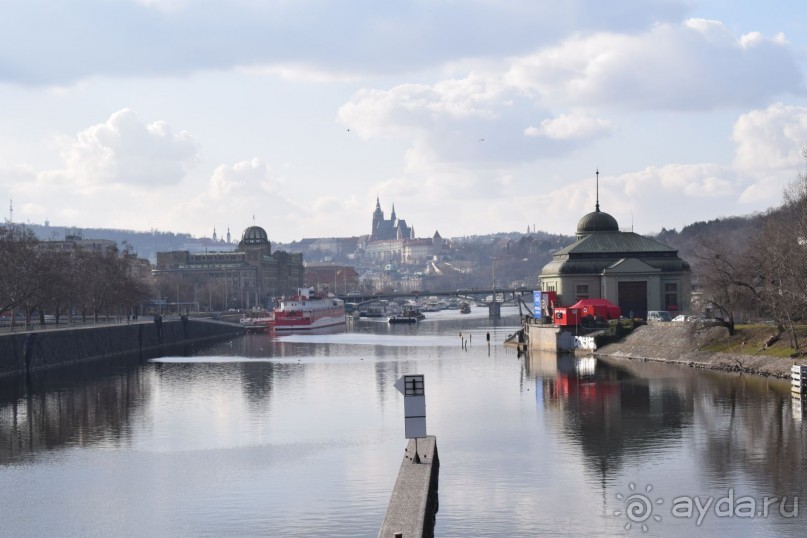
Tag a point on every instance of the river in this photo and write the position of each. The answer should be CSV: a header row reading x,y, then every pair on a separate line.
x,y
303,434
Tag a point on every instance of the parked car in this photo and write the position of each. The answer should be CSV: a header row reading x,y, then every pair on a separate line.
x,y
681,318
658,315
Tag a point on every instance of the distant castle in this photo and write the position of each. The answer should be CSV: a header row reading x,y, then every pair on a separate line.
x,y
389,230
393,240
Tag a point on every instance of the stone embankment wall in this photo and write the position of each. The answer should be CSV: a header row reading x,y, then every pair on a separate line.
x,y
34,351
683,343
412,509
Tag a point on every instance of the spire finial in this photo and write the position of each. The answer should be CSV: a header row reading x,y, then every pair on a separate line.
x,y
597,207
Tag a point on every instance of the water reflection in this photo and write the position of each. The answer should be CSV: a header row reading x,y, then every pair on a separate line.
x,y
611,413
302,434
89,404
737,430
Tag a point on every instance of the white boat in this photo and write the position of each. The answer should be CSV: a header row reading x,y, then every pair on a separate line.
x,y
256,321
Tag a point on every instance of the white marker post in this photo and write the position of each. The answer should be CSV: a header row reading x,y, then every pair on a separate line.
x,y
413,389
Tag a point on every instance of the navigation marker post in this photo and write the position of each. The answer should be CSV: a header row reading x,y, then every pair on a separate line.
x,y
413,389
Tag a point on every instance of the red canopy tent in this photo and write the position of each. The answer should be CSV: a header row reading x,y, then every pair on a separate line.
x,y
602,308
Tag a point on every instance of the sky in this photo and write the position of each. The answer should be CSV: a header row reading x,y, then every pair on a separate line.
x,y
470,117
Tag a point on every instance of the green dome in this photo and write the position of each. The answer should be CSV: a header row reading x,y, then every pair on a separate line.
x,y
254,235
597,222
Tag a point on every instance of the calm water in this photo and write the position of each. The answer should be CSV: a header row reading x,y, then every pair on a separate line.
x,y
303,435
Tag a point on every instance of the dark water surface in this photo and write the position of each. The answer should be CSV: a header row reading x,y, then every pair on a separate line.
x,y
303,435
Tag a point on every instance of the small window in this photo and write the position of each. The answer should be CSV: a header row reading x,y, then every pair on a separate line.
x,y
581,291
671,296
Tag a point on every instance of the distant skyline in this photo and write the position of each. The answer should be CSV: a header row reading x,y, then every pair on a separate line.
x,y
471,117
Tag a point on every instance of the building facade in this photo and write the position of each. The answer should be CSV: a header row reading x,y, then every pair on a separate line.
x,y
331,278
635,272
250,276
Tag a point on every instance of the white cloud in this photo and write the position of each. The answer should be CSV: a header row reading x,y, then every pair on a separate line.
x,y
694,65
124,150
412,109
245,179
699,180
570,126
97,37
165,5
770,139
17,176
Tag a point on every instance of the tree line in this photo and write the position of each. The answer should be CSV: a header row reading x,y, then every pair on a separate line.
x,y
756,267
36,279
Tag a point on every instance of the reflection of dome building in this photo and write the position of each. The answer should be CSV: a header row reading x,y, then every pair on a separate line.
x,y
636,272
249,276
610,411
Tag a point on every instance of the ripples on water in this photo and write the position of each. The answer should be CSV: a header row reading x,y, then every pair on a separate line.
x,y
303,435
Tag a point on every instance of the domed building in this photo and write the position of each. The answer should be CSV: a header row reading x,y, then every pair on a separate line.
x,y
252,275
254,235
635,272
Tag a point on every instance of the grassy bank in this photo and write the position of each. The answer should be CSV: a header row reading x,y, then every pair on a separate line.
x,y
753,339
750,349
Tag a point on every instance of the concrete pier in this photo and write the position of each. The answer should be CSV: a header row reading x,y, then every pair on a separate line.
x,y
412,509
548,337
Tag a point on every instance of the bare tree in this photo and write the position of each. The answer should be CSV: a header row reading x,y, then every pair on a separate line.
x,y
781,280
18,282
727,278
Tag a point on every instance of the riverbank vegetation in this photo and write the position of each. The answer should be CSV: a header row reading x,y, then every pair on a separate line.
x,y
760,339
36,277
753,268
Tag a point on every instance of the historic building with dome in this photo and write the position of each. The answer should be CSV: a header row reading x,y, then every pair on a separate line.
x,y
252,275
635,272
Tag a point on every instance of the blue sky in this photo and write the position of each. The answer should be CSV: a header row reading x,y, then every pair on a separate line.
x,y
471,117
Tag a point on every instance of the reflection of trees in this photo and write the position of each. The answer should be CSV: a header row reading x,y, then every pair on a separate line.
x,y
748,427
258,380
41,413
610,412
736,426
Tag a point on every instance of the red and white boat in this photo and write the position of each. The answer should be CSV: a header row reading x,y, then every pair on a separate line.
x,y
305,311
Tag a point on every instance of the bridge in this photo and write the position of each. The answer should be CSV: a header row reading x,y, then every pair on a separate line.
x,y
474,294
